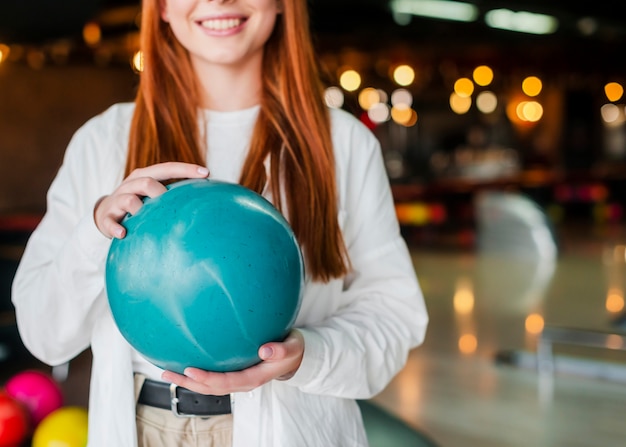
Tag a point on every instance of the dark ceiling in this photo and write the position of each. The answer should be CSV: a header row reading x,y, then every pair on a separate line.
x,y
44,19
369,25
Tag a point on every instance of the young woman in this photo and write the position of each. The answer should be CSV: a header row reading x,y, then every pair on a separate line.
x,y
231,86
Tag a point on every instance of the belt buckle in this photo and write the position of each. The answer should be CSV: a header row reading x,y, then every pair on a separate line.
x,y
174,403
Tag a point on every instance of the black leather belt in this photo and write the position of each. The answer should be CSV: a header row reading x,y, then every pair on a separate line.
x,y
181,401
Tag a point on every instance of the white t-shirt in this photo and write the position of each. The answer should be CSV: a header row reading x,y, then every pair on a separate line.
x,y
229,135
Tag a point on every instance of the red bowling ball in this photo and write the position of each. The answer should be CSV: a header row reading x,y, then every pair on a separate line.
x,y
37,391
14,422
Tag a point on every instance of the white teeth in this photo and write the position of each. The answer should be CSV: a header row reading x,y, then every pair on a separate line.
x,y
221,24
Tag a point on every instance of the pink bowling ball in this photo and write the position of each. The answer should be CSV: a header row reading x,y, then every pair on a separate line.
x,y
37,391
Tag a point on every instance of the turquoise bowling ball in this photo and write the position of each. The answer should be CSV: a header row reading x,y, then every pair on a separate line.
x,y
207,273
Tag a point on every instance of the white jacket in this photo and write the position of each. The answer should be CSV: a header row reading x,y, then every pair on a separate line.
x,y
358,331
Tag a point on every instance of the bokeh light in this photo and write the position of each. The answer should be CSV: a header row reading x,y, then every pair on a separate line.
x,y
379,113
534,324
530,111
382,95
334,97
487,102
483,75
464,300
401,96
4,52
404,115
92,34
614,91
468,343
350,80
532,85
610,113
368,97
614,301
464,87
413,120
460,104
404,75
137,62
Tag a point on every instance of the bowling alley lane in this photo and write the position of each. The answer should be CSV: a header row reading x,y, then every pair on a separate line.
x,y
476,381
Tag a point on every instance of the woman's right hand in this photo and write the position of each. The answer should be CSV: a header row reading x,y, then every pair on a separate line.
x,y
143,182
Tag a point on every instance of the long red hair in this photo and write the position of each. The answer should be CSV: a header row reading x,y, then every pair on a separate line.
x,y
292,129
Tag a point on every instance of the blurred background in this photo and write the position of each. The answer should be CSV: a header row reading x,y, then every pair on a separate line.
x,y
502,125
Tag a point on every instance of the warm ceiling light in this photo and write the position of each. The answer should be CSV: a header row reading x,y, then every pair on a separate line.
x,y
438,9
460,104
404,75
401,96
529,111
92,34
483,75
4,51
350,80
610,113
613,91
368,97
532,85
137,61
334,97
464,87
379,113
402,114
487,102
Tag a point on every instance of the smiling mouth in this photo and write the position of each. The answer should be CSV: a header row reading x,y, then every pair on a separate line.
x,y
221,24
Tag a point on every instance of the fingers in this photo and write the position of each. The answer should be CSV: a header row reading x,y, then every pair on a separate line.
x,y
139,187
112,209
143,182
170,170
289,353
281,361
146,181
292,346
218,384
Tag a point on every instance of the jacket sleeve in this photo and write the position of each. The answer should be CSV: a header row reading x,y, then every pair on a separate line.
x,y
381,315
58,289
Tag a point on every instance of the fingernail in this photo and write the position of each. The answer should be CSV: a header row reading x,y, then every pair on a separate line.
x,y
266,353
203,171
119,233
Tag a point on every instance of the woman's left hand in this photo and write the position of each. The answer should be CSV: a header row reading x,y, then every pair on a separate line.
x,y
280,361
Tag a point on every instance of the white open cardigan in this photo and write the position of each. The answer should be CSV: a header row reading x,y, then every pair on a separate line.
x,y
358,330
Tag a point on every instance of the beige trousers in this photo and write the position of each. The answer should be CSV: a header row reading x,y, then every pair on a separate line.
x,y
157,427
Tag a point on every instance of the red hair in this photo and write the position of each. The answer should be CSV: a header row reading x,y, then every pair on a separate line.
x,y
293,129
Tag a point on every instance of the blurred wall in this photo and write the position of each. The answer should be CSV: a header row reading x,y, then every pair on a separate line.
x,y
39,112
